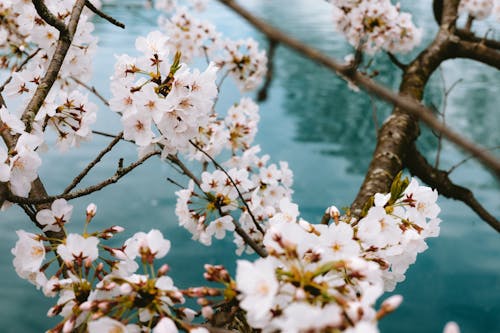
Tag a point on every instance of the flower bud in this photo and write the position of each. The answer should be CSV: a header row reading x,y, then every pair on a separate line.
x,y
207,312
451,327
91,211
68,326
392,303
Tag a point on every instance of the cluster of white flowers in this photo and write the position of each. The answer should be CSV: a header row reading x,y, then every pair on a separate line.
x,y
375,25
327,277
236,131
247,197
190,36
152,93
105,294
19,166
479,9
171,5
244,61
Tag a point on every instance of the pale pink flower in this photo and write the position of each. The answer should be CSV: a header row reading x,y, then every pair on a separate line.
x,y
55,217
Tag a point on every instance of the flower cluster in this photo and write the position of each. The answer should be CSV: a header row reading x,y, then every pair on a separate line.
x,y
30,35
171,5
375,25
152,93
478,9
19,166
103,294
237,199
189,35
244,61
328,277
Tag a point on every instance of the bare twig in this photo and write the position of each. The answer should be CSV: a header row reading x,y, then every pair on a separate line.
x,y
184,169
396,61
465,160
103,15
438,179
86,191
446,93
92,89
92,164
218,166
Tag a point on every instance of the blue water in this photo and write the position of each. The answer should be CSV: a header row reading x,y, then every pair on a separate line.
x,y
326,132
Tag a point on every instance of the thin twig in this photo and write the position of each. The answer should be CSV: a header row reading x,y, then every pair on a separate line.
x,y
446,93
184,169
103,15
374,114
86,191
246,237
470,157
92,89
396,61
92,164
218,166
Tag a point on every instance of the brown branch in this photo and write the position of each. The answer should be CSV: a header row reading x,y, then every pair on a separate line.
x,y
103,15
184,169
48,17
439,179
92,164
62,47
476,51
396,61
471,37
401,129
86,191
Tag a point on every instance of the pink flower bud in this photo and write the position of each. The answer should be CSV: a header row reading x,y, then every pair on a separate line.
x,y
392,303
116,229
91,210
68,326
207,312
451,327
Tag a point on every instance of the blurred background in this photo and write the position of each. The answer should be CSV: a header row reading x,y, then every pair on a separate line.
x,y
326,132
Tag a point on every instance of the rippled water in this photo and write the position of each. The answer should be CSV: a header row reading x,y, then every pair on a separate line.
x,y
326,132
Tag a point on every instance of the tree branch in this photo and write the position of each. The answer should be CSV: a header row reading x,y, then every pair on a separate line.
x,y
48,17
477,51
89,167
62,47
103,15
439,179
86,191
